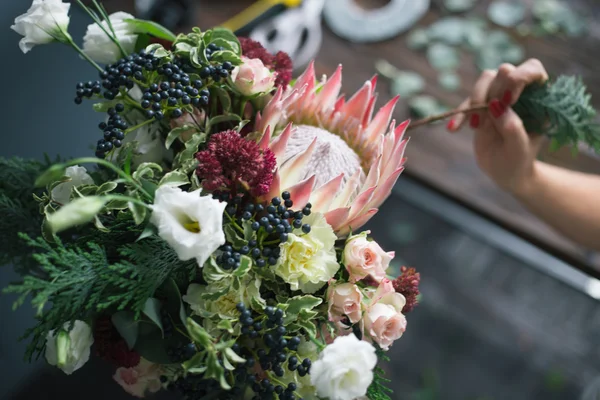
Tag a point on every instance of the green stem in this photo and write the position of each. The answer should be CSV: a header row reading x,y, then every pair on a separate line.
x,y
234,223
270,242
129,199
138,126
99,23
320,345
122,174
70,41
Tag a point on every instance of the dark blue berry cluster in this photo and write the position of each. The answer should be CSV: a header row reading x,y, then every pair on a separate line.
x,y
272,348
182,352
196,387
113,131
272,223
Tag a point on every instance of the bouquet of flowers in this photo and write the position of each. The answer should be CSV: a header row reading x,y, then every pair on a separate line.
x,y
214,249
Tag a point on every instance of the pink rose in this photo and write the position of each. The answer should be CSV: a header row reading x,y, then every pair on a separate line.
x,y
383,319
252,77
144,377
195,119
363,258
344,301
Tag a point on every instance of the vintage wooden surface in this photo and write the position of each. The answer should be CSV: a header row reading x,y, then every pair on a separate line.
x,y
441,160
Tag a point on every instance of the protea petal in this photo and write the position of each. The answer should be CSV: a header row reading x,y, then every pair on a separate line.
x,y
266,139
312,173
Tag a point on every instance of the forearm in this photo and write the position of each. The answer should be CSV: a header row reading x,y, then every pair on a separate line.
x,y
568,201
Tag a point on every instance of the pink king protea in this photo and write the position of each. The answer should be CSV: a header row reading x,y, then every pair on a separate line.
x,y
331,152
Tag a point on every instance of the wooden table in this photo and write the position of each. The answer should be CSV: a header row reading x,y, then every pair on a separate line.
x,y
436,158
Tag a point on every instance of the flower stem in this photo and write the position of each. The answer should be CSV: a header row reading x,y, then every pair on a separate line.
x,y
234,223
138,126
439,117
127,198
82,54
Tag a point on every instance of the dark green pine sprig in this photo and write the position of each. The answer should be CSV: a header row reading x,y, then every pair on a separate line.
x,y
560,109
378,389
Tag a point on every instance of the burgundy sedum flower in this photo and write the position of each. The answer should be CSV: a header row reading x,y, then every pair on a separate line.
x,y
280,62
230,161
407,284
110,346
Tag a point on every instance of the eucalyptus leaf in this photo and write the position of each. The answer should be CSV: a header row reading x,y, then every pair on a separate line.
x,y
443,57
152,310
127,326
506,13
459,5
448,30
151,28
418,39
407,83
449,81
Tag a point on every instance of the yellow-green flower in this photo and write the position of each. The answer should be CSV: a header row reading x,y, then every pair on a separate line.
x,y
308,261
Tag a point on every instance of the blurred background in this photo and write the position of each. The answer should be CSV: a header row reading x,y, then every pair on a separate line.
x,y
509,308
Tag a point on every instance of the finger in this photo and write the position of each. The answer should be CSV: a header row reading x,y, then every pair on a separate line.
x,y
502,83
508,125
457,121
479,96
531,71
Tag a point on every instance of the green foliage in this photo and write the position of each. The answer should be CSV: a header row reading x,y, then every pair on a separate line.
x,y
378,389
81,281
19,210
560,109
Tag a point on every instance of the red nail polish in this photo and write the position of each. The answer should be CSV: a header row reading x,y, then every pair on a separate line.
x,y
507,98
497,108
451,125
474,121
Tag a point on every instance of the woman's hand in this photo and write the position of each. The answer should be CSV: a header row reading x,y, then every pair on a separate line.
x,y
504,150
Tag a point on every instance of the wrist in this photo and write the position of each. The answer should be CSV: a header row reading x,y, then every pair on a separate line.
x,y
529,183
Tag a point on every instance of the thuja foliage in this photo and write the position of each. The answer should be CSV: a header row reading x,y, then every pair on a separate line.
x,y
560,109
378,389
81,281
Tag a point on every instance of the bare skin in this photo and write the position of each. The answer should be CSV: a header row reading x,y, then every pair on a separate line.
x,y
568,201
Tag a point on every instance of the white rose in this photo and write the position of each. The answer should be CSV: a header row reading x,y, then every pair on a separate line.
x,y
79,176
69,351
308,261
44,22
344,370
190,223
100,48
252,77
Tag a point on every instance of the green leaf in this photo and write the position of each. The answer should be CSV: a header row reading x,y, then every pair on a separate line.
x,y
152,346
138,211
52,174
225,325
228,36
152,310
78,212
174,178
225,55
223,97
233,356
224,118
233,236
152,28
308,326
298,303
195,365
198,333
245,264
146,170
127,326
106,187
177,132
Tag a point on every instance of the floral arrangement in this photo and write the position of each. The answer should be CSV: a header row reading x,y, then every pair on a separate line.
x,y
214,249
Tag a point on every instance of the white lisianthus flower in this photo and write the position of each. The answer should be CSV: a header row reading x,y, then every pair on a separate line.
x,y
100,48
344,370
69,351
44,22
190,223
308,261
79,176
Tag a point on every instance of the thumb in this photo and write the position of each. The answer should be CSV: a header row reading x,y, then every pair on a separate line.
x,y
508,124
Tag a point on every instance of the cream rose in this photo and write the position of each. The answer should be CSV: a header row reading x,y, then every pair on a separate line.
x,y
308,261
344,370
383,320
364,258
70,350
252,77
141,379
190,223
44,22
345,300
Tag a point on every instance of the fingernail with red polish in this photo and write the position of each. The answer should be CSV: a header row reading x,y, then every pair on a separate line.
x,y
497,108
474,121
451,125
507,98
